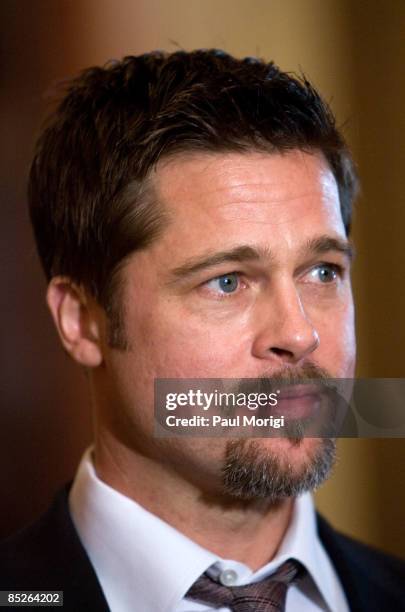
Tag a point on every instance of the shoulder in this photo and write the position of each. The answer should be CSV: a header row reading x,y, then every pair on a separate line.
x,y
48,555
359,553
367,574
37,549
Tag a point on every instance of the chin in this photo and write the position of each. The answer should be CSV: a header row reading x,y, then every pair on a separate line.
x,y
276,468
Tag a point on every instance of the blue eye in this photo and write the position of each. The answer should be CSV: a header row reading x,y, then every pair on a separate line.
x,y
227,283
325,273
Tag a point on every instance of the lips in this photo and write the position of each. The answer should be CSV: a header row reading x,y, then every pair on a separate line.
x,y
297,391
298,401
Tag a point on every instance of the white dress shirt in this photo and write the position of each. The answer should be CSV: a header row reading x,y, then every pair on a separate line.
x,y
144,564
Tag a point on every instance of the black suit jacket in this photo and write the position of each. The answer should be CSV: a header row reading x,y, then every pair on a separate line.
x,y
49,556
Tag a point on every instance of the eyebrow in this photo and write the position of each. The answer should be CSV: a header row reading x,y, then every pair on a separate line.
x,y
238,254
325,244
245,253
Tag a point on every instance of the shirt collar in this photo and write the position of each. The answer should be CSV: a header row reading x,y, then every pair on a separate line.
x,y
300,542
134,551
131,549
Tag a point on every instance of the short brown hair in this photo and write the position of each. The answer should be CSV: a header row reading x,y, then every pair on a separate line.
x,y
89,202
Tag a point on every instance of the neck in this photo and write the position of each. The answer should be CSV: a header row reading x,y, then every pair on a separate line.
x,y
246,531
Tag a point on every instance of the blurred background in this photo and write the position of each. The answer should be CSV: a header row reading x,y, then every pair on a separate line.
x,y
354,52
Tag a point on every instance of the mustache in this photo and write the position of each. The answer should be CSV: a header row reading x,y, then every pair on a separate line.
x,y
321,383
285,377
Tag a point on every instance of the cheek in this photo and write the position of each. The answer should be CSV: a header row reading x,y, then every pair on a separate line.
x,y
197,352
338,343
181,344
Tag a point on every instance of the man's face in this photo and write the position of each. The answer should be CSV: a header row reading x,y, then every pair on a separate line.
x,y
250,278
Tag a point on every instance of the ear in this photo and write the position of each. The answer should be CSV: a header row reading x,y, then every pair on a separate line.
x,y
78,321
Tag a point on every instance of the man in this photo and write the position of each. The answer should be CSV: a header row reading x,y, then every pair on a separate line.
x,y
192,214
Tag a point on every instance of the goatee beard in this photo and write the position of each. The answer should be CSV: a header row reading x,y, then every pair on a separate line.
x,y
252,473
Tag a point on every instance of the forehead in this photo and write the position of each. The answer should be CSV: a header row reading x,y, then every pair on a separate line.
x,y
224,183
255,196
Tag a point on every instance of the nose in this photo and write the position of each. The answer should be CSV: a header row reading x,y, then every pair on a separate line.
x,y
284,333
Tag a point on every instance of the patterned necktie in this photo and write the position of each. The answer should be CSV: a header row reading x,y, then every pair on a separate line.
x,y
268,595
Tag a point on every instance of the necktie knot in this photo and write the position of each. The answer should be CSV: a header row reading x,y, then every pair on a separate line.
x,y
268,595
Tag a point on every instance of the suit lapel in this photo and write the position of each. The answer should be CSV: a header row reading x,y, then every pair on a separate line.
x,y
371,580
80,581
48,556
